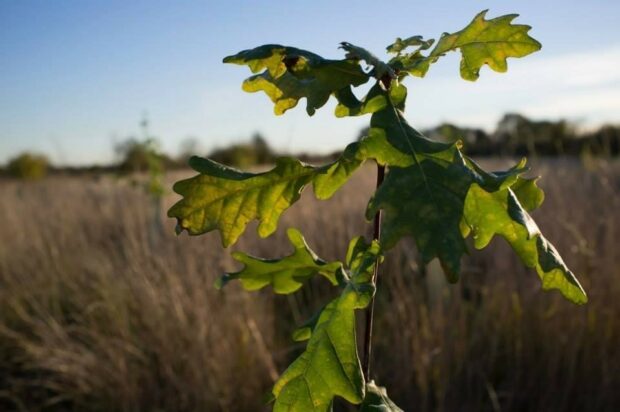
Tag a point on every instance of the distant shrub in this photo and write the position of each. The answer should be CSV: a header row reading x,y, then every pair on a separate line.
x,y
139,156
28,166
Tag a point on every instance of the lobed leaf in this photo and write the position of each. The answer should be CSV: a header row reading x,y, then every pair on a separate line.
x,y
501,213
330,366
481,42
390,122
225,199
426,200
285,275
291,74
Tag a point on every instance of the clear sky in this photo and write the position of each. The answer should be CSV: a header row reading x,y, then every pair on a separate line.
x,y
76,76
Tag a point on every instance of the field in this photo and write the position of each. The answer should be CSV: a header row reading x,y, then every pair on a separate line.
x,y
103,309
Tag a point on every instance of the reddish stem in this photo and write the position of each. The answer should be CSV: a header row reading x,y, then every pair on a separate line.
x,y
370,310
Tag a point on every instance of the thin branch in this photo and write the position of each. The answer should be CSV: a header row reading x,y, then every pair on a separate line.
x,y
371,306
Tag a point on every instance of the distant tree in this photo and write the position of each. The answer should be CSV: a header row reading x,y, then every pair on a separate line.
x,y
605,141
138,155
477,141
525,136
245,154
28,166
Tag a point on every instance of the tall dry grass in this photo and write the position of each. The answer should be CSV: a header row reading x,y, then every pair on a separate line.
x,y
99,313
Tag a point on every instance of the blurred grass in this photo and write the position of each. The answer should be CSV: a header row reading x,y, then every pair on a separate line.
x,y
99,314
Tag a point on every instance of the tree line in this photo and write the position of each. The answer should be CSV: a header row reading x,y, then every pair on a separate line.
x,y
515,135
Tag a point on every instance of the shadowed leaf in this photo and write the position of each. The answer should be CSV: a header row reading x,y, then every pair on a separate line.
x,y
292,74
380,68
426,201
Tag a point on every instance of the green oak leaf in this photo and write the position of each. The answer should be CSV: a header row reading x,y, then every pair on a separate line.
x,y
482,42
426,200
388,122
227,199
501,213
401,135
331,177
360,260
330,365
528,193
285,275
377,400
275,58
376,146
292,74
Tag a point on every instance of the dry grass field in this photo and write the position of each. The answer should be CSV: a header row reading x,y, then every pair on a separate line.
x,y
100,311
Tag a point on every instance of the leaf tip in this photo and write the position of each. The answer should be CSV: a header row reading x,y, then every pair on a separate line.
x,y
302,334
221,281
295,237
227,241
178,229
480,16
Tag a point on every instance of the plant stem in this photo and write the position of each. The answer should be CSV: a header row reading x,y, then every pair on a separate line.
x,y
371,306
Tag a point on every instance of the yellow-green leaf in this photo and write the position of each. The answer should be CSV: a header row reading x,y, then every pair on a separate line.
x,y
482,42
225,199
360,260
329,366
285,275
501,213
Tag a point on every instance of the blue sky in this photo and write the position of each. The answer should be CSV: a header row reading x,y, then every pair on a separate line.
x,y
76,76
